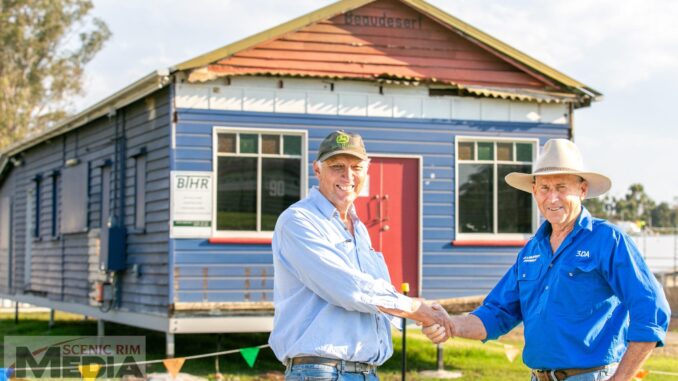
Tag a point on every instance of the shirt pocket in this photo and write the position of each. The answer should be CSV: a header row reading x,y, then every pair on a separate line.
x,y
580,289
528,281
373,264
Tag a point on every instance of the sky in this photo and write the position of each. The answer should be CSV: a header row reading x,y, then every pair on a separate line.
x,y
625,49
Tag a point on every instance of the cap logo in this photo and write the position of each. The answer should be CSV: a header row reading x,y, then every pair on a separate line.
x,y
342,140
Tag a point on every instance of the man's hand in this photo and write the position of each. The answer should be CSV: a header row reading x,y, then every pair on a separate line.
x,y
435,333
430,315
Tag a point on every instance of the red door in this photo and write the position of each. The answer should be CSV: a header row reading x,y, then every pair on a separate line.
x,y
389,207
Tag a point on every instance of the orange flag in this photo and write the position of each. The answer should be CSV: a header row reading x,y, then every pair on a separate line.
x,y
511,352
174,365
641,374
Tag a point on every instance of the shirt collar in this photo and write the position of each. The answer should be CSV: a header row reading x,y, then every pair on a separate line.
x,y
584,221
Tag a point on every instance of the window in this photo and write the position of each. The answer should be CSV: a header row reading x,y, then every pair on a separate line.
x,y
55,203
74,199
140,192
36,227
258,175
486,204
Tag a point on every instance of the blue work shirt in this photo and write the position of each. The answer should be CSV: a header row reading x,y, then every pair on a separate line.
x,y
582,304
327,286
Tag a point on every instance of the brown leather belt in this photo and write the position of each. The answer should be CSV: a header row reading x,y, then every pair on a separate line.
x,y
562,374
346,366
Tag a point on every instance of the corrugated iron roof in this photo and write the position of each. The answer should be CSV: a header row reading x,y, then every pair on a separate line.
x,y
442,17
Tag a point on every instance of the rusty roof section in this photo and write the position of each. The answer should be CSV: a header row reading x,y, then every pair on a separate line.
x,y
326,44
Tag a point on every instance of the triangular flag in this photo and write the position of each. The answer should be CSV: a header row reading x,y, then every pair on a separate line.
x,y
6,373
641,374
250,355
90,371
511,352
174,365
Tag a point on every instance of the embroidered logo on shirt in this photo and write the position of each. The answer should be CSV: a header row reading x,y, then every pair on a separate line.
x,y
531,258
583,254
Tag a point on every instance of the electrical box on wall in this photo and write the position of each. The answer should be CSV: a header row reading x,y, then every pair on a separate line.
x,y
112,255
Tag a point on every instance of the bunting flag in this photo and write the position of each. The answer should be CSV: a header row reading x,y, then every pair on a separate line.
x,y
174,365
250,355
6,373
641,374
90,371
511,352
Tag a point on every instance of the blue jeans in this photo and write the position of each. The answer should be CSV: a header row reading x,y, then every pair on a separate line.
x,y
598,375
318,372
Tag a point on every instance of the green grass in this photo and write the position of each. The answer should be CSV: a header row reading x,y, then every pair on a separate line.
x,y
477,361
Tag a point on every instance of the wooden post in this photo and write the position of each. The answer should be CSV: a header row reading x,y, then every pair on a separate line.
x,y
50,325
406,288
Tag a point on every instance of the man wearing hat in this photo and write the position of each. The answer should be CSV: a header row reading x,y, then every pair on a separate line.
x,y
591,308
331,290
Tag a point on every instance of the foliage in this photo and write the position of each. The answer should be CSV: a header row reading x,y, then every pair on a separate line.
x,y
44,47
635,206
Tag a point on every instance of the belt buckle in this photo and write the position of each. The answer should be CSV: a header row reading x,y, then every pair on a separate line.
x,y
363,368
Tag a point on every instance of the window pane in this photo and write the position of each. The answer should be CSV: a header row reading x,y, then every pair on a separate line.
x,y
505,151
226,143
237,193
292,145
524,152
515,207
475,198
270,144
281,179
465,151
485,151
249,143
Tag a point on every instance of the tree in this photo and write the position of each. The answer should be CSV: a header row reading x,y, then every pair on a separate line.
x,y
636,205
664,216
600,207
44,45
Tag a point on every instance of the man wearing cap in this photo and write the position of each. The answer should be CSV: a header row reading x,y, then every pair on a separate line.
x,y
591,308
332,291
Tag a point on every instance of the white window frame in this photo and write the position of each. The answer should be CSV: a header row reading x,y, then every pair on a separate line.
x,y
260,131
492,236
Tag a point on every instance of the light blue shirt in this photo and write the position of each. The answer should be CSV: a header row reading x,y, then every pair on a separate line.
x,y
582,304
327,287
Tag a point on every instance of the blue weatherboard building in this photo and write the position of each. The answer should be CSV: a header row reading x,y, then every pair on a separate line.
x,y
155,207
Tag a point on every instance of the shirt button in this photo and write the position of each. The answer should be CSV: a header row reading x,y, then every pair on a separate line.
x,y
547,287
523,275
551,265
570,274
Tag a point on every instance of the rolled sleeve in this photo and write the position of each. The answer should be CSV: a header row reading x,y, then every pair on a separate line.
x,y
637,288
500,311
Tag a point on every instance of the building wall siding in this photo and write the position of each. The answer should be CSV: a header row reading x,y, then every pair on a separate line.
x,y
65,267
216,273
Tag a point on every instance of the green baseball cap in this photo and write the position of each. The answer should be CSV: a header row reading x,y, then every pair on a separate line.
x,y
342,142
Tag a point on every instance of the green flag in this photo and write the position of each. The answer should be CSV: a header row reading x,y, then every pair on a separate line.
x,y
250,355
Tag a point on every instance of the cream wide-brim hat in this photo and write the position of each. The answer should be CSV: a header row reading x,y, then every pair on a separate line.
x,y
560,157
